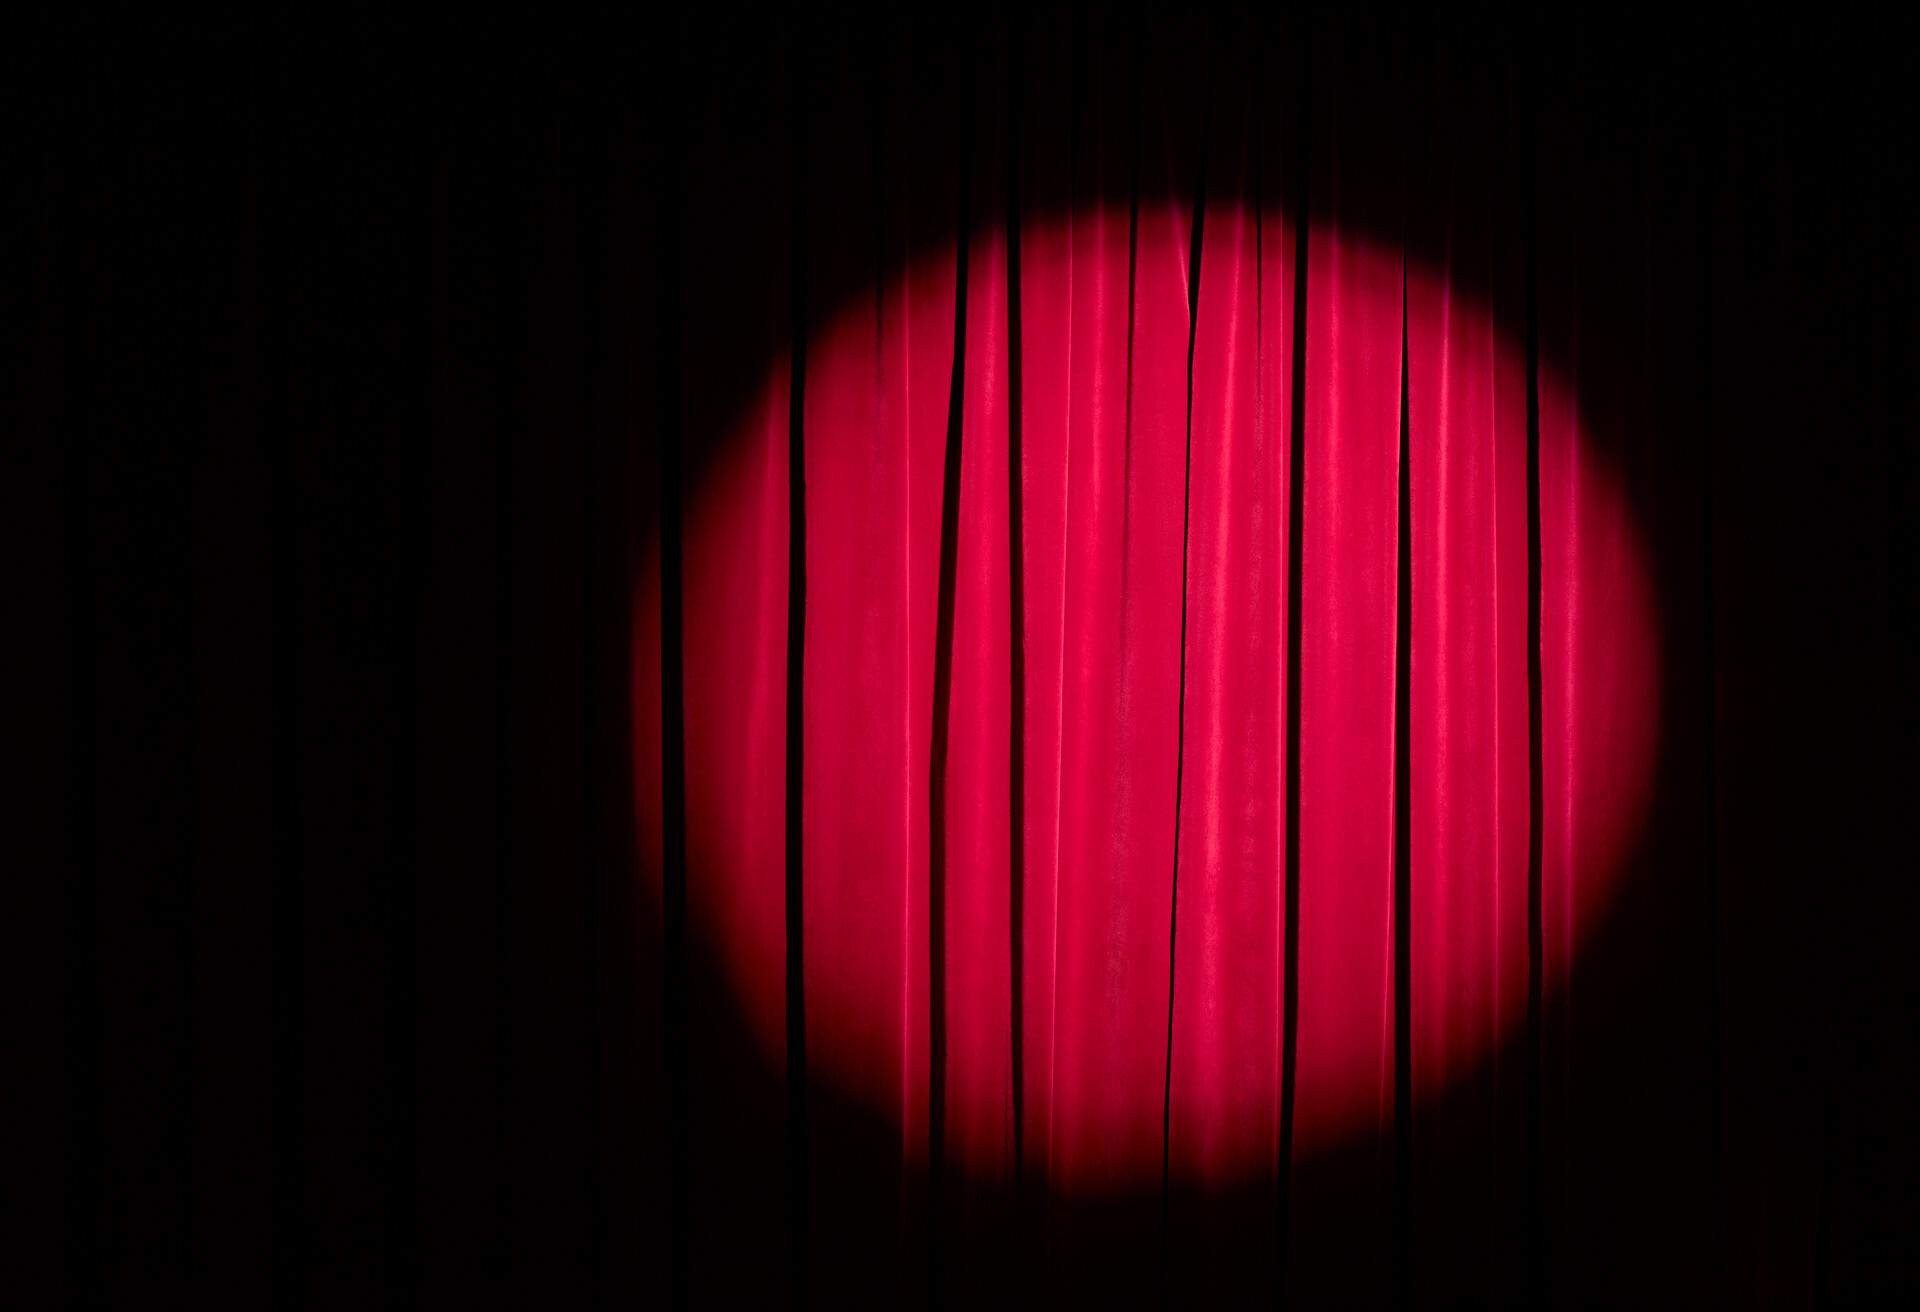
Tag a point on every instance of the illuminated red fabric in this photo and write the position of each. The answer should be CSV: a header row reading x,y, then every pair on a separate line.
x,y
1144,858
1262,657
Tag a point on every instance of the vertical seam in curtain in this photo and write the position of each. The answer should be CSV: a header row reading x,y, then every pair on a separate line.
x,y
1536,743
1076,94
1296,500
1257,145
1195,247
941,737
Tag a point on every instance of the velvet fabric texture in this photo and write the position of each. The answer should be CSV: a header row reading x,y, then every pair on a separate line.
x,y
1134,861
1056,659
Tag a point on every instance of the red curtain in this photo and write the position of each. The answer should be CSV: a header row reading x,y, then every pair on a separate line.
x,y
1119,790
1069,659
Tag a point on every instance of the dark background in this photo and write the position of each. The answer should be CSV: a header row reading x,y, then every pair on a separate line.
x,y
345,368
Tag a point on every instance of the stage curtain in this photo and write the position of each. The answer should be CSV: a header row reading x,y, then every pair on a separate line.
x,y
985,658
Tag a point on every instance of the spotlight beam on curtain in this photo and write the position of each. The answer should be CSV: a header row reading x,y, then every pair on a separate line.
x,y
1178,809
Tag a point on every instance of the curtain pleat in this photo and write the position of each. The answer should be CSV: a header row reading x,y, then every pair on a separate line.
x,y
735,536
1470,805
976,839
1223,1150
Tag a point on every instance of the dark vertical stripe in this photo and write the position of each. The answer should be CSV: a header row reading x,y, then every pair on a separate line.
x,y
796,703
632,1095
943,730
289,932
200,875
409,303
595,686
84,1011
1196,243
673,873
508,274
1709,709
1823,1236
1403,854
1536,749
1016,566
413,528
1296,502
